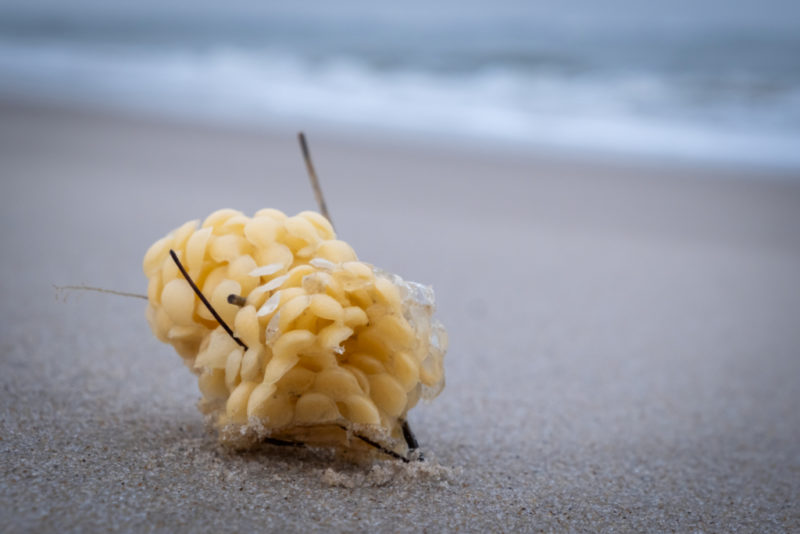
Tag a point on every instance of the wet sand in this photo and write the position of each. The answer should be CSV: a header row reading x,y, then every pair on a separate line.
x,y
625,350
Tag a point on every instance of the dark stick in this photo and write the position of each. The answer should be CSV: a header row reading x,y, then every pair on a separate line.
x,y
283,442
312,174
382,448
411,439
236,300
408,435
300,444
204,300
378,446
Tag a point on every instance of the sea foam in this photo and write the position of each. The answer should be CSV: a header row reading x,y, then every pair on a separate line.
x,y
532,103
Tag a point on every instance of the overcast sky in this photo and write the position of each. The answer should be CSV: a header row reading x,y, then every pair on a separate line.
x,y
770,13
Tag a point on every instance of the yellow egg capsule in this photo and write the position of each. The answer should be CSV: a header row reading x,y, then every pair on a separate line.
x,y
294,340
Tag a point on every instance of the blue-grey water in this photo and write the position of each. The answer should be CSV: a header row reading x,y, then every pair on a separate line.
x,y
703,80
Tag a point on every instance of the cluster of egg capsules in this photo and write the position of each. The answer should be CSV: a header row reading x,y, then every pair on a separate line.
x,y
328,345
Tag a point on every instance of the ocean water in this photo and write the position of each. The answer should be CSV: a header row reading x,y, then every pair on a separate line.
x,y
705,81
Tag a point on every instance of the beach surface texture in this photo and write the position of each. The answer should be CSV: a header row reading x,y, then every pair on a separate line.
x,y
624,338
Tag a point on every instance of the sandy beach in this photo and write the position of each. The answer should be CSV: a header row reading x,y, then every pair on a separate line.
x,y
624,342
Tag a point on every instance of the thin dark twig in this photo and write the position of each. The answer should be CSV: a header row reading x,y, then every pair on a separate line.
x,y
100,290
411,439
378,446
382,448
204,300
236,300
408,435
312,174
283,442
287,443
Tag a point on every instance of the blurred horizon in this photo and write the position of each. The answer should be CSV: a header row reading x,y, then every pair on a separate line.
x,y
699,81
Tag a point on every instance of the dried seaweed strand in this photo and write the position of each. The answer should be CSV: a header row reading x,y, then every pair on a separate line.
x,y
236,300
99,290
204,300
312,175
377,445
301,444
283,442
408,435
